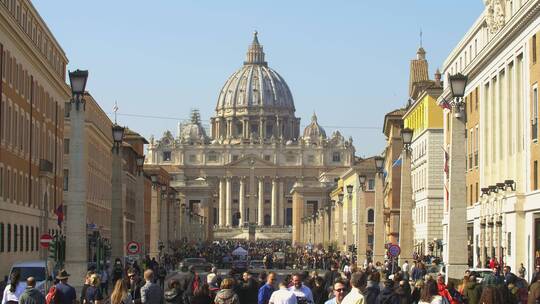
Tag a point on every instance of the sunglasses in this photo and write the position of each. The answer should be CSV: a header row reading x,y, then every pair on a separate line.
x,y
131,276
340,290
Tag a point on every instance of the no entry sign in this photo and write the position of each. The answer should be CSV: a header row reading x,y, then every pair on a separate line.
x,y
133,247
394,250
45,240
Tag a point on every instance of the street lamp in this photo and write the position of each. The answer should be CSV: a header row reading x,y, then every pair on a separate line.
x,y
362,181
458,83
340,198
349,190
406,137
78,80
140,163
118,136
379,163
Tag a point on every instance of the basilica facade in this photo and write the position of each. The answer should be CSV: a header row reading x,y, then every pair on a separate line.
x,y
240,176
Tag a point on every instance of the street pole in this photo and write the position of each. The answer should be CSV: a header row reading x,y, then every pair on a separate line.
x,y
406,235
378,231
117,210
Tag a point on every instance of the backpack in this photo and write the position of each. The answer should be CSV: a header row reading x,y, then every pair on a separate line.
x,y
51,297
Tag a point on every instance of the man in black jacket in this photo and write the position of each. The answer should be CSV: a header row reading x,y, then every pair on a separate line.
x,y
135,284
330,277
247,289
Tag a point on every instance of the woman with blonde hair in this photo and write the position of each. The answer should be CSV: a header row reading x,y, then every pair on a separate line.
x,y
120,294
227,295
93,292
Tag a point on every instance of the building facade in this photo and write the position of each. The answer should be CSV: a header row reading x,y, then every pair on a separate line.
x,y
498,54
33,92
243,173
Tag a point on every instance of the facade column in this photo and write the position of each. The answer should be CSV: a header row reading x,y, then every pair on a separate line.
x,y
221,209
251,214
164,217
76,213
154,223
241,202
406,235
139,213
281,204
262,128
340,240
361,247
456,254
482,244
274,206
332,222
297,216
260,207
378,231
349,224
228,203
323,225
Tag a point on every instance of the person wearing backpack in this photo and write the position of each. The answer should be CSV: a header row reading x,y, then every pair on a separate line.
x,y
93,292
64,293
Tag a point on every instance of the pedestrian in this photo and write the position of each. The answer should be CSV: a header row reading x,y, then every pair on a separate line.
x,y
443,291
319,292
174,293
202,295
472,290
118,270
31,295
65,293
303,294
415,295
492,295
191,283
534,276
430,293
403,292
151,293
405,268
387,294
534,290
372,289
120,293
339,291
85,286
283,295
135,284
522,271
358,283
331,276
493,278
267,289
14,289
93,292
247,289
227,295
104,281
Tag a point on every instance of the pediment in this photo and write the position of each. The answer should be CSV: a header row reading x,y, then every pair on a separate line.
x,y
249,161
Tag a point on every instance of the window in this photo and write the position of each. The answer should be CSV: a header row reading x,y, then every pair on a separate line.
x,y
67,109
32,239
66,145
336,157
267,157
370,215
21,237
535,175
371,184
66,179
8,234
534,118
235,157
192,158
1,237
290,158
476,192
167,156
509,246
212,156
26,234
15,242
311,159
533,49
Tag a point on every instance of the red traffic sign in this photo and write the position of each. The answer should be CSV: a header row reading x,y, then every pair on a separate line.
x,y
394,250
45,240
133,247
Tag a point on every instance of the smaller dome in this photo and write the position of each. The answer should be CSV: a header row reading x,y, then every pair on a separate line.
x,y
313,133
193,132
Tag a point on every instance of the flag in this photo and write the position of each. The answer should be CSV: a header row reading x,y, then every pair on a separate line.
x,y
60,214
115,108
397,162
446,160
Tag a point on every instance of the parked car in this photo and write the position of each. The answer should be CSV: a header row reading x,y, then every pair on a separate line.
x,y
482,272
199,264
37,269
256,264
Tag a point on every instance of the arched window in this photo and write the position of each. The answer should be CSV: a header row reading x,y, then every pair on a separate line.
x,y
370,215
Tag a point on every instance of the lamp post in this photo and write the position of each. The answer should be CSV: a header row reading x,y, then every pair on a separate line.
x,y
455,255
361,244
349,221
339,206
378,231
117,210
155,217
164,215
76,236
140,228
406,234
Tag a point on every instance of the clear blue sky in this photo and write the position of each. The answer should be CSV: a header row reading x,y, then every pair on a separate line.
x,y
346,60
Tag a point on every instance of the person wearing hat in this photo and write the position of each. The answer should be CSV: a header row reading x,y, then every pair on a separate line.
x,y
65,293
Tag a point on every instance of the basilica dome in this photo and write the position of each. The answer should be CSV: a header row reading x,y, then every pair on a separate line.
x,y
193,132
314,133
255,86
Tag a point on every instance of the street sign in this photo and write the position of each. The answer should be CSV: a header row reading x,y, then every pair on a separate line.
x,y
133,247
394,250
45,240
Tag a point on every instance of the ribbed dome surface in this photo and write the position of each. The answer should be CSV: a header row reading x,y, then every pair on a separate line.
x,y
255,85
314,132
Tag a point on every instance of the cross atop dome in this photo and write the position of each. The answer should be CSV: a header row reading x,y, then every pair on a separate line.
x,y
255,53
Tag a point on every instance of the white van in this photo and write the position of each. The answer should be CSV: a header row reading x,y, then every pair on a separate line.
x,y
37,269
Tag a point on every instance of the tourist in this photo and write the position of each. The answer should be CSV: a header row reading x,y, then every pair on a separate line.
x,y
247,289
358,283
14,289
134,285
472,290
430,293
227,295
93,292
522,271
265,292
202,295
372,289
403,292
303,294
534,290
174,293
320,295
120,293
492,295
31,295
417,289
85,286
283,295
65,293
151,293
339,291
387,294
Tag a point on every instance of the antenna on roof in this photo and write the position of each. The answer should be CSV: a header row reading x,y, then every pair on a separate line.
x,y
420,37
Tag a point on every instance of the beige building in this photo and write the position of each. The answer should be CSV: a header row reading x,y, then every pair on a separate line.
x,y
499,54
33,92
242,174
